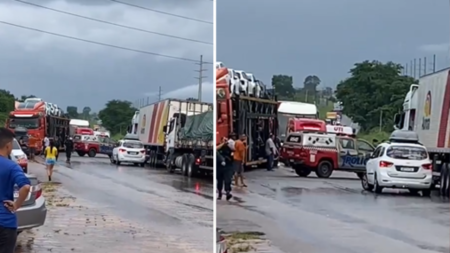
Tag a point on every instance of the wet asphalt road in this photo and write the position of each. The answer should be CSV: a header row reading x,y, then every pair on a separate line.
x,y
122,208
312,215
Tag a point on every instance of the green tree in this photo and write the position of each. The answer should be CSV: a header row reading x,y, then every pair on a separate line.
x,y
311,82
6,105
373,90
116,116
72,111
283,85
86,111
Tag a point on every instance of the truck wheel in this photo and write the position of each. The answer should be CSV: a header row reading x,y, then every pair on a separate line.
x,y
81,153
324,170
302,171
191,167
444,182
184,161
92,152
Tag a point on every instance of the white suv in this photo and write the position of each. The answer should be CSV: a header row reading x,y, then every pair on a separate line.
x,y
129,151
400,163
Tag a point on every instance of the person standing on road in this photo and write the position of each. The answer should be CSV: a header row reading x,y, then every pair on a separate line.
x,y
69,149
271,151
10,175
51,152
224,167
239,160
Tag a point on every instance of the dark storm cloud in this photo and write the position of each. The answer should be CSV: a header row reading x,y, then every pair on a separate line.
x,y
70,72
326,37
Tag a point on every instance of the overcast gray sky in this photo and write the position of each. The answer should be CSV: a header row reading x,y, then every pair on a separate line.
x,y
326,37
69,72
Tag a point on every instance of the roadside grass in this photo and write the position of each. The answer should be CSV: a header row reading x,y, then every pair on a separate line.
x,y
239,242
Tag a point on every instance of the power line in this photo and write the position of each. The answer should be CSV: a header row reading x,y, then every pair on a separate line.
x,y
101,43
114,24
163,12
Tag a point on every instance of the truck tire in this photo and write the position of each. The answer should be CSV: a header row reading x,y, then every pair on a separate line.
x,y
184,162
192,168
81,153
92,152
444,183
324,170
302,171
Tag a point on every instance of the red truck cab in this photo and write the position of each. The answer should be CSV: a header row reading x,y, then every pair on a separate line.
x,y
324,153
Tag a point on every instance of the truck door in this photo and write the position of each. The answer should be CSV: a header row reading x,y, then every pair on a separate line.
x,y
348,154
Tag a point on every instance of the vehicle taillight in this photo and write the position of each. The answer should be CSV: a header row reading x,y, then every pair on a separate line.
x,y
198,161
384,164
143,151
122,150
37,190
427,166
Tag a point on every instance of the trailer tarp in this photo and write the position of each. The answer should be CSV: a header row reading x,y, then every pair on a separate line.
x,y
198,127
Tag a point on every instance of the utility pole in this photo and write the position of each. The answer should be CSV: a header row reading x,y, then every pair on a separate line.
x,y
159,93
200,78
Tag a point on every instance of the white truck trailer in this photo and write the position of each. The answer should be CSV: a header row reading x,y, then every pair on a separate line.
x,y
426,111
177,133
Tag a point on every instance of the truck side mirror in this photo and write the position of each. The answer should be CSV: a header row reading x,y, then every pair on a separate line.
x,y
397,119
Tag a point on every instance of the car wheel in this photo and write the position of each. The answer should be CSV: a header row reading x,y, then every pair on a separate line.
x,y
414,191
426,193
324,170
92,152
111,158
301,171
378,188
117,160
365,183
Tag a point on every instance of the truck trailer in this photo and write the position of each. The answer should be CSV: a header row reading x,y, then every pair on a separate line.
x,y
161,127
252,116
426,111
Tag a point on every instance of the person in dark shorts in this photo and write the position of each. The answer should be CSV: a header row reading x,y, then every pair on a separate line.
x,y
11,175
224,168
240,149
69,149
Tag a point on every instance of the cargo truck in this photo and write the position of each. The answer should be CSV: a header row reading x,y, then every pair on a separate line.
x,y
426,111
252,116
175,134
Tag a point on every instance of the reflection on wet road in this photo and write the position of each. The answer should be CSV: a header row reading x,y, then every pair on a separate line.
x,y
335,215
119,208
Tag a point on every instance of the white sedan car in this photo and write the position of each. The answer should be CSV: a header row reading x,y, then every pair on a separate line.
x,y
399,165
129,151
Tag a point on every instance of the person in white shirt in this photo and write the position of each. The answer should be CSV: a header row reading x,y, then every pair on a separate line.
x,y
271,151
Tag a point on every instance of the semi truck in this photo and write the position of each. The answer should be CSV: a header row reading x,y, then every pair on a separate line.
x,y
239,114
426,111
175,134
41,119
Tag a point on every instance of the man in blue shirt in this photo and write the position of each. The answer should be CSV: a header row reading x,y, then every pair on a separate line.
x,y
10,175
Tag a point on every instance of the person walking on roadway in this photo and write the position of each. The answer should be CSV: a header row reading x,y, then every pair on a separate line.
x,y
50,152
224,168
271,151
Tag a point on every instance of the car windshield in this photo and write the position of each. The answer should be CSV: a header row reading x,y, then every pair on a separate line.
x,y
132,144
407,153
16,144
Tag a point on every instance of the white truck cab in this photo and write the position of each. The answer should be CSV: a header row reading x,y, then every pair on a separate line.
x,y
406,119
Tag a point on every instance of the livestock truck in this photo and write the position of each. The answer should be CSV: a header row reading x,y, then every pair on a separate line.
x,y
252,116
426,111
176,133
